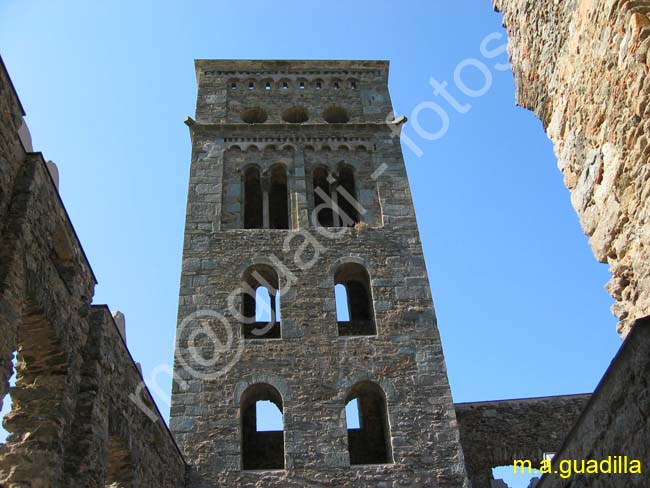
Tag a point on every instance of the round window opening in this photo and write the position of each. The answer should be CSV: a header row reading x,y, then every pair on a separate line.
x,y
336,115
295,115
254,115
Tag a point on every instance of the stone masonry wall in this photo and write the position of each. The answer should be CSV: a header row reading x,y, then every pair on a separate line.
x,y
311,367
70,403
350,84
582,67
495,433
614,421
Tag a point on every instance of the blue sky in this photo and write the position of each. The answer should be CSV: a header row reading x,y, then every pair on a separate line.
x,y
519,297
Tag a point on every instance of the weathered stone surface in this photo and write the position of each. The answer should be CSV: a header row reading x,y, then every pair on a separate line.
x,y
72,422
311,366
614,421
582,67
496,433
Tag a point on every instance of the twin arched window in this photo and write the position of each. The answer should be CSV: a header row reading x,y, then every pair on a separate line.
x,y
261,302
266,200
335,198
262,426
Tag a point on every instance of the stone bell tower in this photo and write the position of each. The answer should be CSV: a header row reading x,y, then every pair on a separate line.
x,y
297,189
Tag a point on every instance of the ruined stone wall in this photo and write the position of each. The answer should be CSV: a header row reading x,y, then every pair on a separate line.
x,y
148,455
582,67
311,366
495,433
614,421
12,153
70,405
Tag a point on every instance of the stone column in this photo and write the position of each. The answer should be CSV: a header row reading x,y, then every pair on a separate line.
x,y
334,196
300,188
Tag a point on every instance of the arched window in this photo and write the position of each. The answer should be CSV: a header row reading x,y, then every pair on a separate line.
x,y
261,448
368,430
322,214
358,299
278,198
253,207
261,303
347,197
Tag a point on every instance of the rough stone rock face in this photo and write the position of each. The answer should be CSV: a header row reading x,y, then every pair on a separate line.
x,y
614,423
582,67
72,422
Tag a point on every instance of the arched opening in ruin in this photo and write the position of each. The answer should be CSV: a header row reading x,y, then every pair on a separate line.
x,y
37,398
368,429
119,465
322,214
261,303
261,447
278,198
507,476
253,205
347,197
358,298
